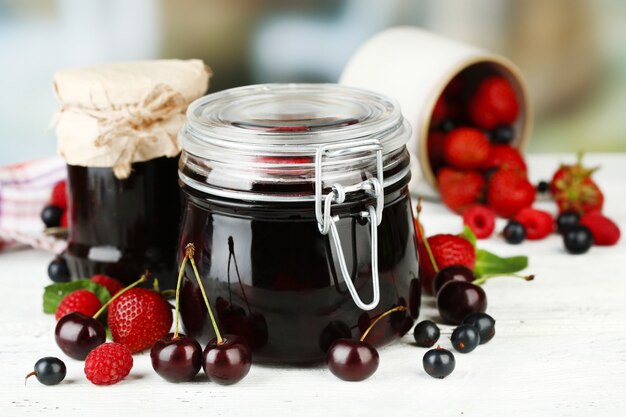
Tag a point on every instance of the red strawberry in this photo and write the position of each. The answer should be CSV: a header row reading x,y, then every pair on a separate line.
x,y
64,221
481,219
494,103
506,157
108,364
460,189
508,193
59,195
466,147
538,223
439,111
447,250
138,318
573,189
82,301
605,232
111,284
435,149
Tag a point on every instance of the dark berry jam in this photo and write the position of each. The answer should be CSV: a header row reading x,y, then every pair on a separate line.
x,y
124,227
272,278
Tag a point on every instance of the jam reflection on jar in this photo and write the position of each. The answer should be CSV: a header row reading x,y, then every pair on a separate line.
x,y
272,277
124,227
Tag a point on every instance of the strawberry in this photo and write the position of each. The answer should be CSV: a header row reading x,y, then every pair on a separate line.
x,y
573,189
538,223
460,189
506,157
81,301
466,147
138,318
481,219
59,195
494,103
111,284
64,221
604,231
439,111
508,193
447,250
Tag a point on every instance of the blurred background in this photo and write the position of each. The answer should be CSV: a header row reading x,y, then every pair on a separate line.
x,y
572,52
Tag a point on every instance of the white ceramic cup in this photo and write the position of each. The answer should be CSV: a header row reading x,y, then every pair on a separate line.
x,y
414,66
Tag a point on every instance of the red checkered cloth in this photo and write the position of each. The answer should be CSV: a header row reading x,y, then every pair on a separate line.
x,y
24,191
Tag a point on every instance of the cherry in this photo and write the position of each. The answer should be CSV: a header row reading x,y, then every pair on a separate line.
x,y
457,299
452,273
49,371
176,358
352,360
484,323
226,359
78,334
356,360
438,363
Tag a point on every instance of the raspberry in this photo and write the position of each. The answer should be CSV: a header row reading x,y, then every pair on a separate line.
x,y
111,284
604,231
481,219
59,195
466,148
108,364
82,301
538,223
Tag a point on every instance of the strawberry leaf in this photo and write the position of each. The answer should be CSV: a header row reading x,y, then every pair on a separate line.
x,y
469,235
53,294
489,263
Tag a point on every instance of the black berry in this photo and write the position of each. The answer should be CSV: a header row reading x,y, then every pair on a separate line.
x,y
484,323
426,333
49,371
465,338
51,216
514,232
439,363
502,135
566,220
577,239
58,270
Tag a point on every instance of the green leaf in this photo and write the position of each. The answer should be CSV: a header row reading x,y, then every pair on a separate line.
x,y
489,263
53,294
469,235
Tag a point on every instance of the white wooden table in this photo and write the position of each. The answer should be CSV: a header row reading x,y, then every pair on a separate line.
x,y
560,348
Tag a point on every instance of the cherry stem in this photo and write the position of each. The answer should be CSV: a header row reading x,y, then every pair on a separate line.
x,y
143,278
180,279
424,238
379,318
28,376
190,251
484,278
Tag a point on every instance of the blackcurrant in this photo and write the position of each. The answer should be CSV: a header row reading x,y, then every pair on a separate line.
x,y
58,270
49,370
543,187
566,220
514,232
502,135
484,323
438,363
51,216
465,338
447,125
426,333
577,239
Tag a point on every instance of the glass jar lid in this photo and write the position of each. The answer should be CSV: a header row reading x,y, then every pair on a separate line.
x,y
263,142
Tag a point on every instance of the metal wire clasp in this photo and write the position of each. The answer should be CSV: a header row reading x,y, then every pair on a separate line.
x,y
326,222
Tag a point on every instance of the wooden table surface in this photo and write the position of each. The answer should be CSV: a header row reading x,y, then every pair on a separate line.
x,y
560,348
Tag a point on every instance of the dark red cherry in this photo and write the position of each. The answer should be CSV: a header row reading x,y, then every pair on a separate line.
x,y
227,362
457,299
352,360
78,334
452,273
333,331
176,359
